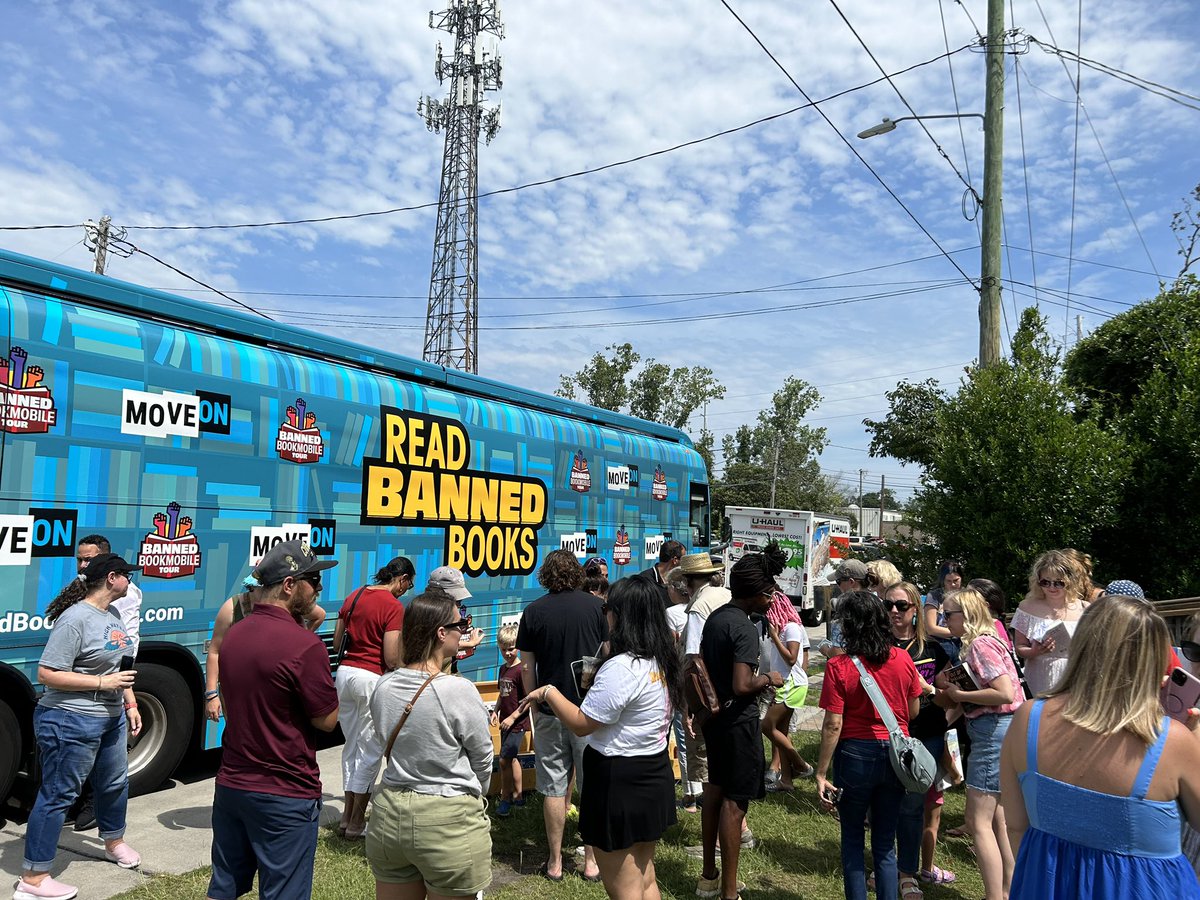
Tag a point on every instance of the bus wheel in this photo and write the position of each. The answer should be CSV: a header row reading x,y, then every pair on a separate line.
x,y
10,748
167,712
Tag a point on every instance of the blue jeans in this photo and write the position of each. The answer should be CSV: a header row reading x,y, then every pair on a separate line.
x,y
869,785
911,827
274,836
681,753
72,747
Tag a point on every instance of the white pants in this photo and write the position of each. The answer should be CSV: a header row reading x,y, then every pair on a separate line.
x,y
363,749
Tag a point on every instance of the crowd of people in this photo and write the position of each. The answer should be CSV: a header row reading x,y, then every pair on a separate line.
x,y
1077,784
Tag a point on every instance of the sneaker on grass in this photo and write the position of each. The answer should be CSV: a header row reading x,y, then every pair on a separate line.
x,y
711,887
503,808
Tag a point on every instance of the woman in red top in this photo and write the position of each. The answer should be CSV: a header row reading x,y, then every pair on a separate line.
x,y
864,776
370,618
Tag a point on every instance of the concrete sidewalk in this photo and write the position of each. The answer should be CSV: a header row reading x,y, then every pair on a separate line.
x,y
171,829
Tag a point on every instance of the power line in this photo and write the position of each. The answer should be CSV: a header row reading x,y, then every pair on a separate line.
x,y
1090,262
844,140
908,105
1024,164
1152,87
38,227
532,184
178,271
703,317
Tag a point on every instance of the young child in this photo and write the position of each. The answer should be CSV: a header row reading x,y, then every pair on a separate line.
x,y
512,725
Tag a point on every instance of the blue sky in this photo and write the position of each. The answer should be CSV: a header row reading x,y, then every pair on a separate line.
x,y
255,110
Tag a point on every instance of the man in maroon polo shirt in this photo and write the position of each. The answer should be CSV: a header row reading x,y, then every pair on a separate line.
x,y
277,691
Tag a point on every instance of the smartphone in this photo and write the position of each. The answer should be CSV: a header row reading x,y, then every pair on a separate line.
x,y
833,795
126,663
1180,693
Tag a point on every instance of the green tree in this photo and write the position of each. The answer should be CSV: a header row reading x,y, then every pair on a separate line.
x,y
870,500
657,392
1010,469
780,450
1139,373
1108,368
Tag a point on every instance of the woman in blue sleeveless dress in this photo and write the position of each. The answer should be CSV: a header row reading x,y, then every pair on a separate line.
x,y
1095,778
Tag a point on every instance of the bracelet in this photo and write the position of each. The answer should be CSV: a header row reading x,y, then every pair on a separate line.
x,y
211,695
129,706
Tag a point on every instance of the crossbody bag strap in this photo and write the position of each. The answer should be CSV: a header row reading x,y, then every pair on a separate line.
x,y
408,708
880,704
346,624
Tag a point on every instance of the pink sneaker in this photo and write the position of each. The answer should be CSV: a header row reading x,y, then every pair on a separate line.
x,y
49,889
124,856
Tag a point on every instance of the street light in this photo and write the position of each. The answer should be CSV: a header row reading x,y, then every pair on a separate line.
x,y
993,142
890,124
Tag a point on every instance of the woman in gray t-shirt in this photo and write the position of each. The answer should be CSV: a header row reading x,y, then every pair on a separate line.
x,y
80,721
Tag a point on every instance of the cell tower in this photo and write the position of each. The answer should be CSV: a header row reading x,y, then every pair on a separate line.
x,y
451,336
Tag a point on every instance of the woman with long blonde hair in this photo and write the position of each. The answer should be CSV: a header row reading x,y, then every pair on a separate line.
x,y
1078,828
988,709
1058,593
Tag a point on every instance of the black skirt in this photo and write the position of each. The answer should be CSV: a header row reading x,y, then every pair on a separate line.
x,y
626,800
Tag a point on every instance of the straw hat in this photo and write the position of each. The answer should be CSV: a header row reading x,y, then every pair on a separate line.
x,y
697,564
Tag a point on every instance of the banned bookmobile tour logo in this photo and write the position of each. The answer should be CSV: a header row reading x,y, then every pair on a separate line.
x,y
581,478
26,405
170,550
299,438
422,477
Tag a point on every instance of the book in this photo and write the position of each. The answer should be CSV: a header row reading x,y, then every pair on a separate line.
x,y
1061,635
962,677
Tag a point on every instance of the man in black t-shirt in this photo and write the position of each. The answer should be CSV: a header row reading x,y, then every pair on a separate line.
x,y
557,631
730,647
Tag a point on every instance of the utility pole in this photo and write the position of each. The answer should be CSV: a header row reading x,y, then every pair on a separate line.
x,y
882,490
993,160
451,324
96,238
861,473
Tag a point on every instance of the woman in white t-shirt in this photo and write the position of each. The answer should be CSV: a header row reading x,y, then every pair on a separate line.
x,y
628,796
787,654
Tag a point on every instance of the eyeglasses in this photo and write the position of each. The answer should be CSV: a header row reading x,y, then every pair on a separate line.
x,y
952,612
898,605
1190,651
462,625
1047,583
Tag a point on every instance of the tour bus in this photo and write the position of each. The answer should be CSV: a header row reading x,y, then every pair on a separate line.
x,y
195,437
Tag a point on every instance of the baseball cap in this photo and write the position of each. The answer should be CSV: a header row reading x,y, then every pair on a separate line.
x,y
294,558
100,565
449,580
851,568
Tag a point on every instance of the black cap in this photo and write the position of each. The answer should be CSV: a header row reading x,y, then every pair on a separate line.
x,y
289,558
100,565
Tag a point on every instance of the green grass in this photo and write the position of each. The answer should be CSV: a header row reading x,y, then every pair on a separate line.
x,y
798,856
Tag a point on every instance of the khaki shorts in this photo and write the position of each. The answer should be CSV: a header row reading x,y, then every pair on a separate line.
x,y
445,842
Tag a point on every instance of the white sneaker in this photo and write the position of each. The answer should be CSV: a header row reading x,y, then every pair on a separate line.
x,y
49,889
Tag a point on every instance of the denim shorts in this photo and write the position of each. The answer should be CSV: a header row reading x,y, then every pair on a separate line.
x,y
510,746
983,764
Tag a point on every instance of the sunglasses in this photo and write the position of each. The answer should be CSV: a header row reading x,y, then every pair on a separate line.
x,y
898,605
1190,651
314,580
462,625
1047,583
952,612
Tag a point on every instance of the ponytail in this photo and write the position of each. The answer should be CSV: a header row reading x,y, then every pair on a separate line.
x,y
77,588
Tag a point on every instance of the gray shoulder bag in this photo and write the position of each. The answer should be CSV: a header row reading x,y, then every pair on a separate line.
x,y
913,764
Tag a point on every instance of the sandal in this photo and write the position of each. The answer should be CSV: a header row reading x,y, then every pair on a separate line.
x,y
909,889
544,871
937,876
